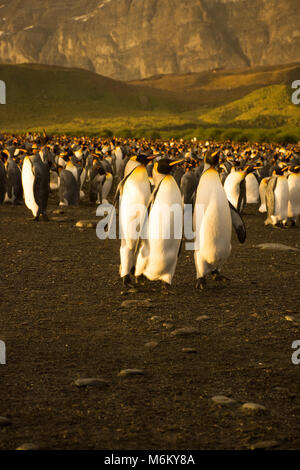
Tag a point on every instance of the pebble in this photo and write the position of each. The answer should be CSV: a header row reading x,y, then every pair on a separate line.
x,y
138,303
156,318
264,445
289,318
151,345
127,372
61,219
168,326
185,331
57,260
58,211
189,350
223,400
86,223
4,421
202,317
255,407
94,381
276,246
28,446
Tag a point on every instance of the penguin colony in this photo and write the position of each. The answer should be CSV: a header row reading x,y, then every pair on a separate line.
x,y
221,178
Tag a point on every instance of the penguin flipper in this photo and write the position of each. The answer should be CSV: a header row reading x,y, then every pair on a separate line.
x,y
242,196
238,223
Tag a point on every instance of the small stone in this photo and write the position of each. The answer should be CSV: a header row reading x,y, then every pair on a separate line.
x,y
168,326
276,246
57,260
86,223
289,318
281,389
202,317
61,219
223,400
264,445
4,421
58,211
189,350
127,372
185,331
132,290
28,446
95,382
253,407
156,318
137,303
151,345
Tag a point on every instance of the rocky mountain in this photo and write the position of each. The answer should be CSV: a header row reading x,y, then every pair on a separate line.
x,y
133,39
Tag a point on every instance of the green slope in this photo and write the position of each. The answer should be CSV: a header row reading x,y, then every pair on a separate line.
x,y
206,104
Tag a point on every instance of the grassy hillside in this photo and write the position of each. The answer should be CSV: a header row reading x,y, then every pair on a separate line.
x,y
246,104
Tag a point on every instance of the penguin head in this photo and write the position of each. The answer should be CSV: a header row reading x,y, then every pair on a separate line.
x,y
164,166
295,169
141,158
278,171
212,157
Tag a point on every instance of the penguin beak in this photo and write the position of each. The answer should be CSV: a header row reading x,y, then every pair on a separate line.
x,y
151,158
177,161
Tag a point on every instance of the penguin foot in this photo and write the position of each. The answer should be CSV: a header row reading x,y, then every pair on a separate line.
x,y
127,281
140,280
201,283
165,288
217,276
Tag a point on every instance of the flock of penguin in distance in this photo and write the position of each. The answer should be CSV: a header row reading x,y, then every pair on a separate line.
x,y
221,178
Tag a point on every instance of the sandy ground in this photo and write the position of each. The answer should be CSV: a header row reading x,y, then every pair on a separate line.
x,y
61,319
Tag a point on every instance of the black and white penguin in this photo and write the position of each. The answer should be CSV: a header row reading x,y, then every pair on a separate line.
x,y
134,192
3,181
69,185
35,180
158,249
262,194
294,194
213,219
235,188
14,188
277,198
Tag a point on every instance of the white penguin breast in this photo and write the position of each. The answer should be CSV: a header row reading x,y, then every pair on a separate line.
x,y
28,182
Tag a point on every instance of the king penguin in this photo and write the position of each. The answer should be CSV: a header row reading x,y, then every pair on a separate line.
x,y
14,189
213,219
252,187
262,194
235,188
69,187
294,194
134,191
35,180
159,248
277,198
3,179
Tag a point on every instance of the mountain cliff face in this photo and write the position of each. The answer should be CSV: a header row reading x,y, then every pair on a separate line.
x,y
133,39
